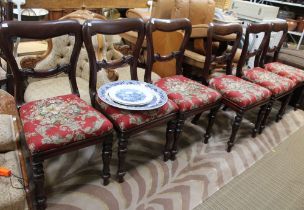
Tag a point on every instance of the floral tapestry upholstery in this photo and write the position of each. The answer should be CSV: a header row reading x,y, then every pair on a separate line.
x,y
273,82
51,123
186,93
290,72
126,119
239,91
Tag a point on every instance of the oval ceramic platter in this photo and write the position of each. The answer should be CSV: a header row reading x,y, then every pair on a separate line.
x,y
157,97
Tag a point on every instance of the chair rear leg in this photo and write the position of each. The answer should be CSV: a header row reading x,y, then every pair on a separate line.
x,y
235,127
38,178
268,110
211,117
106,158
283,107
259,119
122,152
196,118
171,127
178,131
300,100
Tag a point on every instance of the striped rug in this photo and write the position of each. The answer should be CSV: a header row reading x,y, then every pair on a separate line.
x,y
73,180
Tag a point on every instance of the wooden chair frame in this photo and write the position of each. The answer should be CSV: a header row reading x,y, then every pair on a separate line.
x,y
260,55
217,33
152,57
112,27
46,30
281,27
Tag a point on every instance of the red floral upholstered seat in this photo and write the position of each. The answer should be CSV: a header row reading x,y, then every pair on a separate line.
x,y
186,93
126,119
239,91
273,82
290,72
53,122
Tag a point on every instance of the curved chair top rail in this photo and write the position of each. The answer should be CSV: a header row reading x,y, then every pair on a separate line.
x,y
166,25
253,29
222,33
111,27
276,27
39,30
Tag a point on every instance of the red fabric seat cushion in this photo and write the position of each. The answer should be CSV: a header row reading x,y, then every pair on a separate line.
x,y
127,119
273,82
53,122
239,91
290,72
186,93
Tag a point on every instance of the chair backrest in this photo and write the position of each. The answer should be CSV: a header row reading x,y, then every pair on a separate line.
x,y
39,30
112,27
166,25
258,53
222,33
279,28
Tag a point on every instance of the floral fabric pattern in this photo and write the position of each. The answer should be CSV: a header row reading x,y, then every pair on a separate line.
x,y
239,91
127,119
290,72
273,82
53,122
186,93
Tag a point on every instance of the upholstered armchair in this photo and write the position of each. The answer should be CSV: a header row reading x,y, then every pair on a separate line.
x,y
59,51
199,12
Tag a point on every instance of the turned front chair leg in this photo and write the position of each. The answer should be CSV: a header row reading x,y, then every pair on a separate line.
x,y
38,177
283,107
171,127
259,119
211,120
106,157
235,127
178,131
122,152
267,113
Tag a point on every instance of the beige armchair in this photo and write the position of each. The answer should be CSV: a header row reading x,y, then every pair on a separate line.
x,y
59,52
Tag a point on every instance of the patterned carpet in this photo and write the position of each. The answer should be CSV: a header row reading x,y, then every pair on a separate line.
x,y
200,170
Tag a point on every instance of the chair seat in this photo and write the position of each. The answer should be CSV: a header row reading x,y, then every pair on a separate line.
x,y
54,122
186,93
273,82
127,119
290,72
239,91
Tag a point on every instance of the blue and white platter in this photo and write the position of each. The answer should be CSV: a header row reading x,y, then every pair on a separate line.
x,y
132,95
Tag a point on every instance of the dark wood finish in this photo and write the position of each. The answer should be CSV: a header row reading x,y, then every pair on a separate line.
x,y
111,27
152,57
274,51
216,34
45,30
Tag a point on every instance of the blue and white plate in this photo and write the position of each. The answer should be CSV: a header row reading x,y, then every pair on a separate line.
x,y
130,94
159,97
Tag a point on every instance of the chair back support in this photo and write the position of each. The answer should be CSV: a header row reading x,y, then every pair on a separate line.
x,y
39,30
111,27
166,25
253,30
280,27
222,33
